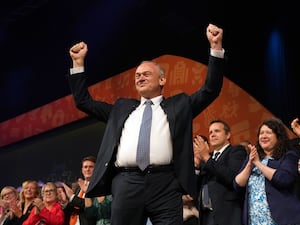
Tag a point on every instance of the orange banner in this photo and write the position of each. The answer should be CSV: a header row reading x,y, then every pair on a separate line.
x,y
242,112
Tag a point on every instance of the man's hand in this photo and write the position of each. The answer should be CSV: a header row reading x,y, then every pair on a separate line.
x,y
78,53
201,150
68,190
214,35
83,184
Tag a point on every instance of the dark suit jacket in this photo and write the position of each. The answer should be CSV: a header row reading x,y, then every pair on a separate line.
x,y
284,204
78,204
181,109
219,175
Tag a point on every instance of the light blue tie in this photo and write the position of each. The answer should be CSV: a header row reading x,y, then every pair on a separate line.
x,y
143,147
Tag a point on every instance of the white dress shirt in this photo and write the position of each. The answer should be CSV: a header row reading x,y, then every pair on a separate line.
x,y
161,150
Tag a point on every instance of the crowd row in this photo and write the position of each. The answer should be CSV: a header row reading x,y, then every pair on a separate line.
x,y
55,203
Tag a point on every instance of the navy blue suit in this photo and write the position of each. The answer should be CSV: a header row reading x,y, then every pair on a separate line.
x,y
227,204
180,109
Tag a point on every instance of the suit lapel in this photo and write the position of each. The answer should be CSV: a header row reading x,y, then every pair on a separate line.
x,y
170,112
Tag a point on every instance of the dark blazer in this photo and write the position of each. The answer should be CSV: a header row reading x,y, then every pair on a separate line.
x,y
284,204
181,109
219,175
78,204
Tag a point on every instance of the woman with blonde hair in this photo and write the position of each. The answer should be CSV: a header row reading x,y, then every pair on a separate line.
x,y
30,190
48,210
9,204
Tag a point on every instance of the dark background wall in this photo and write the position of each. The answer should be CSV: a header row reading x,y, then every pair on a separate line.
x,y
52,156
35,35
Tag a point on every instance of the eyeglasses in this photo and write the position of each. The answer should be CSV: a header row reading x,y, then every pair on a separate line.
x,y
50,191
7,194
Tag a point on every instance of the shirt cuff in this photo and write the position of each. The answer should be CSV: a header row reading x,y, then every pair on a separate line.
x,y
217,53
77,70
71,198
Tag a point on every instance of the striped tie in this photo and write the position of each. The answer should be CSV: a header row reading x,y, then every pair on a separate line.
x,y
143,148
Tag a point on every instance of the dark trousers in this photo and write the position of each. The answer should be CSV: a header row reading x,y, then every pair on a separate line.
x,y
207,218
137,196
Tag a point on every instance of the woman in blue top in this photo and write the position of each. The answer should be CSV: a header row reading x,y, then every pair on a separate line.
x,y
267,179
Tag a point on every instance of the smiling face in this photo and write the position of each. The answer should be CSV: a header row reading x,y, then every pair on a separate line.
x,y
267,139
9,194
30,190
87,169
49,193
149,80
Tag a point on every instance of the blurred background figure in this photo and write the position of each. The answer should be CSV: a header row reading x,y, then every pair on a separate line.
x,y
61,194
190,210
74,186
246,144
9,204
99,207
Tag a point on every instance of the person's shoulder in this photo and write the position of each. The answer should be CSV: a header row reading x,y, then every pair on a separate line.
x,y
291,153
237,148
295,145
127,100
176,98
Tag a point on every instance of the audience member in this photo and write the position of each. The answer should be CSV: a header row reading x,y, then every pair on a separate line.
x,y
74,186
99,207
30,191
9,204
203,143
61,195
155,191
267,178
219,203
75,209
46,211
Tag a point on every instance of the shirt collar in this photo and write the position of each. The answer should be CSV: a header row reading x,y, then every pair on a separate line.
x,y
222,149
157,100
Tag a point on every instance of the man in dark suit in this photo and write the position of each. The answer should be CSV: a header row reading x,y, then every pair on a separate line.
x,y
218,201
75,209
154,192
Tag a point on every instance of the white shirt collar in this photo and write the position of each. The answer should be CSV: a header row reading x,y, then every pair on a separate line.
x,y
221,150
157,100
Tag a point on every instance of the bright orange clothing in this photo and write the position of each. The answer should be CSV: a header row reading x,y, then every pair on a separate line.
x,y
53,216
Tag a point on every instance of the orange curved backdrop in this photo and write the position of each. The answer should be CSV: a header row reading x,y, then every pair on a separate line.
x,y
242,112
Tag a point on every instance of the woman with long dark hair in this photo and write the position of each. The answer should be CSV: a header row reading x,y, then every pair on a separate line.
x,y
268,177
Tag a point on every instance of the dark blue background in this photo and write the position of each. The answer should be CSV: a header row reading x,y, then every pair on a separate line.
x,y
261,40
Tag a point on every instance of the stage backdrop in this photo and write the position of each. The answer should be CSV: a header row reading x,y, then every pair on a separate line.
x,y
48,143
